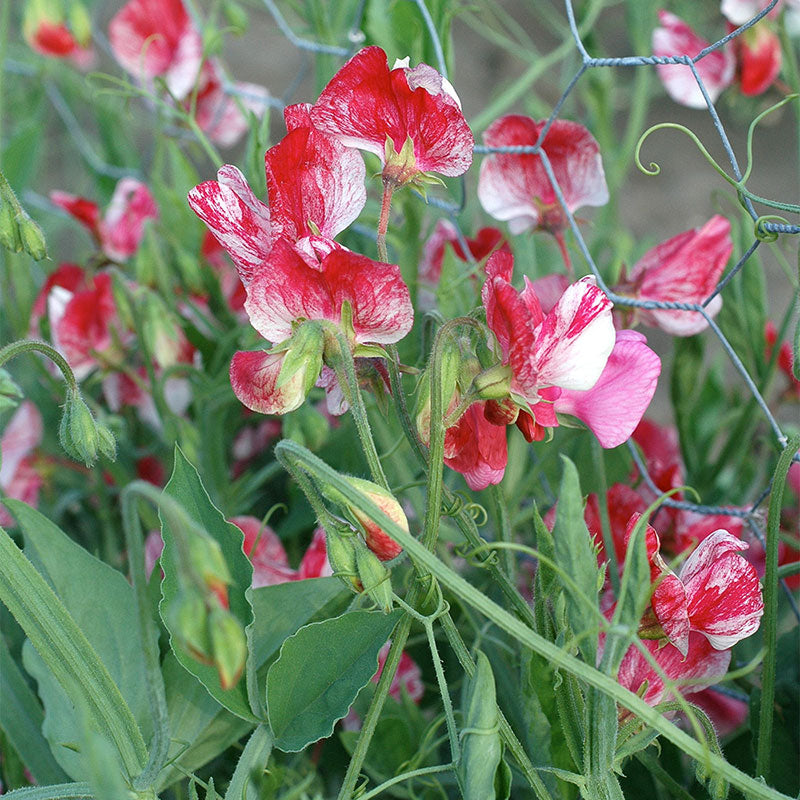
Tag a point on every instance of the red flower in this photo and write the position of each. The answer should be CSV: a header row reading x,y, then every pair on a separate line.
x,y
19,478
120,230
716,69
410,118
684,269
477,448
47,32
785,358
516,188
758,56
287,290
316,189
486,241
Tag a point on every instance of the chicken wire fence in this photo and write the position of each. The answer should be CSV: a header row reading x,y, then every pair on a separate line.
x,y
765,228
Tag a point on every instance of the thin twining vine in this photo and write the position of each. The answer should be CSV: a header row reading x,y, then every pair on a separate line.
x,y
739,185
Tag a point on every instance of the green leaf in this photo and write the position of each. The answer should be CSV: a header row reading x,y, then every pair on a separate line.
x,y
320,671
61,791
575,554
21,718
251,765
66,650
186,487
106,616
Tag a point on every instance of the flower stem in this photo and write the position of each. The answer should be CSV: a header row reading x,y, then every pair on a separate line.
x,y
28,345
383,221
763,755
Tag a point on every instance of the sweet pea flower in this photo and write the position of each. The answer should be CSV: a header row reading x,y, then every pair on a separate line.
x,y
288,290
716,593
683,269
515,188
568,359
56,34
737,12
18,476
758,58
445,235
716,69
409,117
119,231
698,668
785,359
315,187
155,38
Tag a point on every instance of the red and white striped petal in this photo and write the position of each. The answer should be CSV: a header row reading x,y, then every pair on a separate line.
x,y
254,375
239,221
122,227
722,590
477,449
575,339
265,551
313,178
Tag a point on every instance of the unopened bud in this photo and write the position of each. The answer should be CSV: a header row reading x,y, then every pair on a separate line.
x,y
375,578
31,237
208,563
80,23
161,330
229,646
9,230
187,620
501,412
342,558
378,540
450,368
80,435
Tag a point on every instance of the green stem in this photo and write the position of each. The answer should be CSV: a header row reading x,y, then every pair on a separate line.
x,y
504,528
605,521
561,659
29,345
253,759
344,366
405,776
148,630
771,610
465,523
383,221
455,749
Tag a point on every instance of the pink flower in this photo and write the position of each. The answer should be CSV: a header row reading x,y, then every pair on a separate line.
x,y
410,118
737,12
486,241
684,269
785,358
156,38
218,114
408,677
265,550
716,592
716,69
120,230
515,187
316,189
700,667
288,289
50,34
314,563
18,476
613,407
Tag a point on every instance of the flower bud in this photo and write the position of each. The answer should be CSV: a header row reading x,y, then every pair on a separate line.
x,y
9,230
235,15
161,330
229,646
80,23
451,396
31,236
375,578
208,563
342,558
378,540
80,435
187,620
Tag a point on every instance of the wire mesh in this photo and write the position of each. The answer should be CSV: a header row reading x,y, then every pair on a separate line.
x,y
764,228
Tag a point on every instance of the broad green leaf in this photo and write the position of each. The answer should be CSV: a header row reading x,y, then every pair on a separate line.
x,y
68,652
575,554
59,791
106,614
186,487
319,672
21,718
